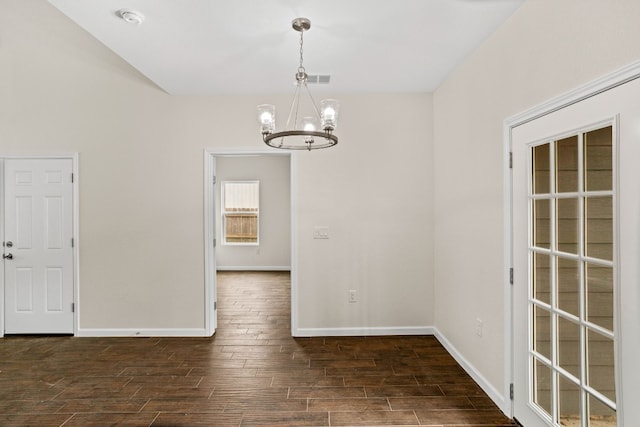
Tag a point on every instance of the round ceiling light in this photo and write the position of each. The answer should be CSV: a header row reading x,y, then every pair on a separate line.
x,y
131,16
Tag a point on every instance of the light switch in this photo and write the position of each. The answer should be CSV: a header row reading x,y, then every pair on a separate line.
x,y
320,232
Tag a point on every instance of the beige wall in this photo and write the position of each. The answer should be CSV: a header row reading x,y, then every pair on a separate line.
x,y
274,249
141,184
546,48
374,193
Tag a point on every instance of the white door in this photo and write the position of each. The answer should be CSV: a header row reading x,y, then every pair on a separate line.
x,y
576,204
38,254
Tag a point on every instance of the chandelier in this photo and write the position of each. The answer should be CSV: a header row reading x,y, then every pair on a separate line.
x,y
308,127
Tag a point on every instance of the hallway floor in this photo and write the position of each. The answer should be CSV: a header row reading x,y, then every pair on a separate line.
x,y
251,373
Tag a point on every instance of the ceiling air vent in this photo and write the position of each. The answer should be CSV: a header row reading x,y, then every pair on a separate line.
x,y
319,79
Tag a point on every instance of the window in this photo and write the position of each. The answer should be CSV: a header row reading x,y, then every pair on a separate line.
x,y
240,212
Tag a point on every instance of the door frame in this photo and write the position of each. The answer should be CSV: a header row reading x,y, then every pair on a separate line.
x,y
600,85
74,157
210,296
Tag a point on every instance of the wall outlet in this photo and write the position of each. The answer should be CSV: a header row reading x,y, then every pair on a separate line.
x,y
479,327
352,296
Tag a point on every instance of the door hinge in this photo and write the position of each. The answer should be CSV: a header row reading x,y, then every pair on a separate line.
x,y
73,242
73,307
214,180
511,275
510,159
214,242
215,305
71,177
511,391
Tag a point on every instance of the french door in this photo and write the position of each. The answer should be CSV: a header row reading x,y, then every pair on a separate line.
x,y
575,243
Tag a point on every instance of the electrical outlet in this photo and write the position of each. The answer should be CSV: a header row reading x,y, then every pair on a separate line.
x,y
479,327
352,296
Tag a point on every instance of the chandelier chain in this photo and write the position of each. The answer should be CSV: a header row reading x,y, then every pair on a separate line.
x,y
301,67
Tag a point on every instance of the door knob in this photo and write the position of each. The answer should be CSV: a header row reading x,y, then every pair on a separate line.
x,y
9,244
7,256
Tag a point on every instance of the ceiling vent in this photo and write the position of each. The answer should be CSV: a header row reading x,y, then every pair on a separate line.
x,y
319,79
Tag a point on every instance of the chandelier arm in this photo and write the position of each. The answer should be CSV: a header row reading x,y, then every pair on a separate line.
x,y
295,103
313,101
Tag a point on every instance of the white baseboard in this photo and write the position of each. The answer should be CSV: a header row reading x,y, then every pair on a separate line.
x,y
254,268
142,332
357,332
498,398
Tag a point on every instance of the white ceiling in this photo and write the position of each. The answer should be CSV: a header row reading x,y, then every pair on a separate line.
x,y
205,47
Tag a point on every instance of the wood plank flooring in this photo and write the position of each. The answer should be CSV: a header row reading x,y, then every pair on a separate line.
x,y
251,373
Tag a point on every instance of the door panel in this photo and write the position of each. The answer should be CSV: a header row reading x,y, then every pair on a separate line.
x,y
576,236
38,231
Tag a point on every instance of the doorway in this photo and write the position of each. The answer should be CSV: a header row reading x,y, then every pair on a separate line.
x,y
273,248
574,246
38,219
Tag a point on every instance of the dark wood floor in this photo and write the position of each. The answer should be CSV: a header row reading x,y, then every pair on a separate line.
x,y
252,373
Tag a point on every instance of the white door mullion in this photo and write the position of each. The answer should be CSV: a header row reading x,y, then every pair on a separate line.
x,y
553,222
582,289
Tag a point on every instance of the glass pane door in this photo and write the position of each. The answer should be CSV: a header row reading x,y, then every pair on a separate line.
x,y
571,279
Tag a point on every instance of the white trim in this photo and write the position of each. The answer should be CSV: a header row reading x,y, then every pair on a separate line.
x,y
368,331
210,315
254,268
237,152
76,229
603,84
607,82
143,332
76,242
293,179
71,155
507,295
617,276
2,239
503,402
209,231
